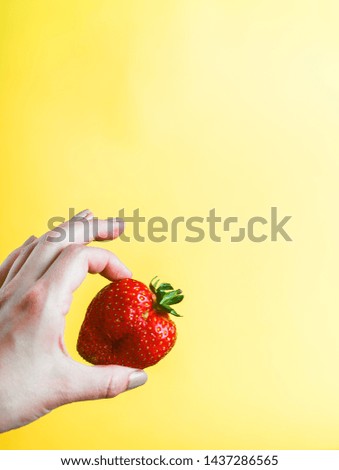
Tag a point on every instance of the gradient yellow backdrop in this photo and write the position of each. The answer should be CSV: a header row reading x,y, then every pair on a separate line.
x,y
175,108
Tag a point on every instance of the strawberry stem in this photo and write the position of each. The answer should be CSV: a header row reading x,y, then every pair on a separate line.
x,y
165,296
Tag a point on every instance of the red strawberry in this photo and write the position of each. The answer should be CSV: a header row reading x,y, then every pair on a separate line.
x,y
128,324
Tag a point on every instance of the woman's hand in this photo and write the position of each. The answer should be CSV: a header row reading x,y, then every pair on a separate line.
x,y
36,285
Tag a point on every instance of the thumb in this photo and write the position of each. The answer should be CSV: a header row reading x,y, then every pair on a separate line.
x,y
93,382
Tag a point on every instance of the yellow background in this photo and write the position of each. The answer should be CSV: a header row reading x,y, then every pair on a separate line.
x,y
175,108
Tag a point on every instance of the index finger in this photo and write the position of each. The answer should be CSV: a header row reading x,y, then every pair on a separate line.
x,y
69,270
76,231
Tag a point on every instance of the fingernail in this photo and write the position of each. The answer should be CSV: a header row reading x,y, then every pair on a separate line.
x,y
83,214
136,379
89,215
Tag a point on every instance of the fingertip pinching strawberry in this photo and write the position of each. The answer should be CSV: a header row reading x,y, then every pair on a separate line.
x,y
129,324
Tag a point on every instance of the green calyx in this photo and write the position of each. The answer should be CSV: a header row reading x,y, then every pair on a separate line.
x,y
166,296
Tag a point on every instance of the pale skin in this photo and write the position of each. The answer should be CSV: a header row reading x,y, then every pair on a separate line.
x,y
37,281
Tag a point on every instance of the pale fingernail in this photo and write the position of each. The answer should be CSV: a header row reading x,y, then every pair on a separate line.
x,y
136,379
82,214
89,215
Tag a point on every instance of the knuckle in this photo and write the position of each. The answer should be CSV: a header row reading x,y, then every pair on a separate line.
x,y
53,237
113,389
33,300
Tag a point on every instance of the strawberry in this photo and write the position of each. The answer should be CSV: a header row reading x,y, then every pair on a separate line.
x,y
128,324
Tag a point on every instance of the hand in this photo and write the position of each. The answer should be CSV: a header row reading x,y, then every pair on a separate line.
x,y
36,285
